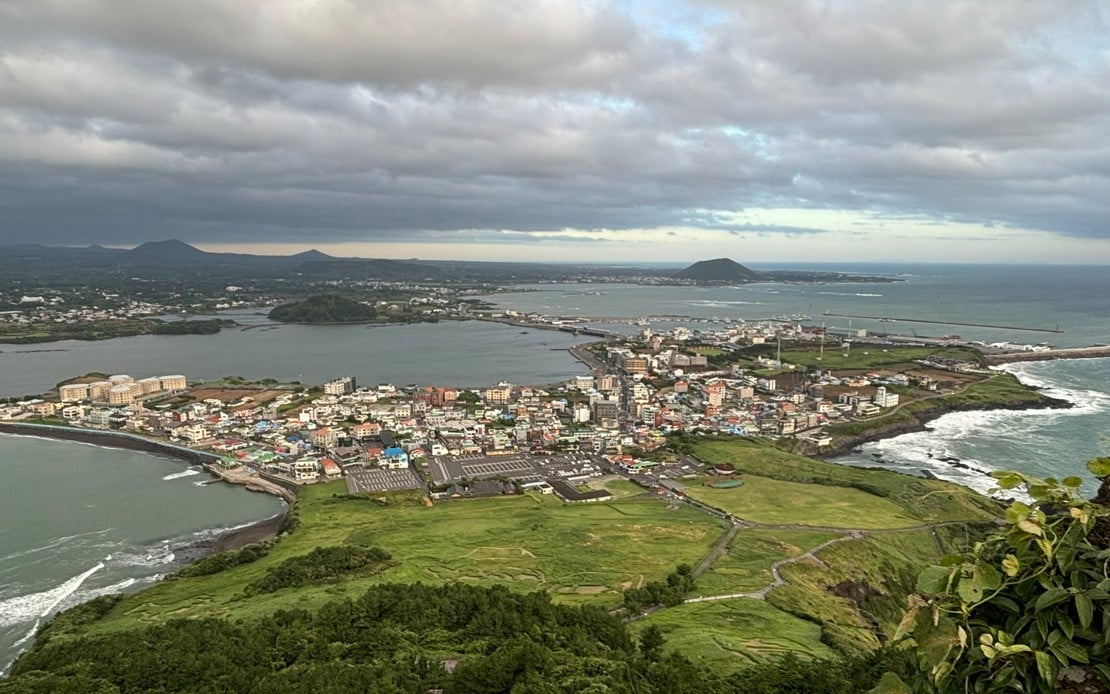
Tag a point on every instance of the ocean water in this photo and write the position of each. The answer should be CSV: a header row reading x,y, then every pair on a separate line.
x,y
78,521
1075,298
1042,443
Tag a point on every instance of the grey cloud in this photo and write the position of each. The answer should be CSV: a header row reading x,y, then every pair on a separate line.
x,y
378,42
342,120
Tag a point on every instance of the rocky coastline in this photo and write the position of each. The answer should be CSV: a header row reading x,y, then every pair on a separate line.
x,y
920,422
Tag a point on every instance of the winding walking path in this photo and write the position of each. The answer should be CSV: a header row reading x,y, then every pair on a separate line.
x,y
778,580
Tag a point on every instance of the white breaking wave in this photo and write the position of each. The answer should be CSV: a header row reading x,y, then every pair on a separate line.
x,y
157,557
86,595
184,473
56,542
1084,400
950,449
216,532
35,606
712,303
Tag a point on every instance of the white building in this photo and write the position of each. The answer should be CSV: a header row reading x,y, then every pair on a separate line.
x,y
581,413
74,392
173,383
120,395
340,386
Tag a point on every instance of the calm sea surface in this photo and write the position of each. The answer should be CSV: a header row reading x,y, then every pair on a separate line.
x,y
467,353
1077,299
77,521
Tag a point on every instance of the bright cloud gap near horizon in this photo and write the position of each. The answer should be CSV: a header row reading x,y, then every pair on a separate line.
x,y
635,130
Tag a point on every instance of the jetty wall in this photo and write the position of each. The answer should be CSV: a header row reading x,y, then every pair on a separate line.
x,y
109,439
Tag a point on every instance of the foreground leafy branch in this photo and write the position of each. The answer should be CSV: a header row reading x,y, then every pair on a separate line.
x,y
1026,610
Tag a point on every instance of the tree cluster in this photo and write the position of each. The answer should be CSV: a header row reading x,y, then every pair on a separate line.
x,y
407,638
321,565
225,560
668,593
325,308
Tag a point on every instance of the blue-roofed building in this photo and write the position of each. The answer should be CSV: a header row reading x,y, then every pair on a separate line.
x,y
395,458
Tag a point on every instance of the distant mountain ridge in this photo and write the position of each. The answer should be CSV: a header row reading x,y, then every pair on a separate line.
x,y
178,260
173,254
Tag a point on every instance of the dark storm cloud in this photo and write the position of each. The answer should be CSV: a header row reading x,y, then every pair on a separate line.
x,y
126,120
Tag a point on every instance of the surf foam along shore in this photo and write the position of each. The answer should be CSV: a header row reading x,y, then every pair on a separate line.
x,y
931,410
22,614
24,608
966,446
33,608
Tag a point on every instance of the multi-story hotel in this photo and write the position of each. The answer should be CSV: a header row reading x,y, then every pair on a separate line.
x,y
340,386
121,389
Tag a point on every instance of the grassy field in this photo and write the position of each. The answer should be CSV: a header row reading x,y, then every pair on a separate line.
x,y
919,499
620,488
746,567
589,553
577,552
732,633
707,350
777,502
863,356
841,604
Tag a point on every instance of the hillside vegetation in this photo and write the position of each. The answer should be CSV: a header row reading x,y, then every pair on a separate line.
x,y
324,308
375,594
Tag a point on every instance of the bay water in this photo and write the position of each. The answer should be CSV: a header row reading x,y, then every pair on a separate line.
x,y
78,521
449,353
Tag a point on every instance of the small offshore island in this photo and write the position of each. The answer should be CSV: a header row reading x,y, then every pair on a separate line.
x,y
335,309
697,455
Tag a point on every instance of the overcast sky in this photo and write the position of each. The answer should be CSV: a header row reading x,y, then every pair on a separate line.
x,y
557,129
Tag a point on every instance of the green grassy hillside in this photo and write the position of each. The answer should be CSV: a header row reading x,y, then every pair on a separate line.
x,y
822,560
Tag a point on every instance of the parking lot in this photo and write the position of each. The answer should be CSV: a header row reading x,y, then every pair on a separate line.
x,y
518,466
371,480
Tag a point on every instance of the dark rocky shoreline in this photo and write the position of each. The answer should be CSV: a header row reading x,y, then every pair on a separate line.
x,y
920,422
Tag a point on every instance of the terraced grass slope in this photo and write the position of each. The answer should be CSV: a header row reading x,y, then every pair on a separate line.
x,y
845,598
730,634
580,552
